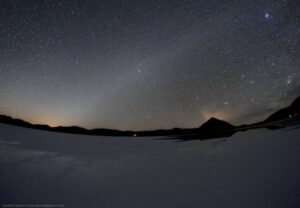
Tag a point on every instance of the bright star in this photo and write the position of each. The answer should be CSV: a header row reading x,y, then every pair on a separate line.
x,y
289,80
267,15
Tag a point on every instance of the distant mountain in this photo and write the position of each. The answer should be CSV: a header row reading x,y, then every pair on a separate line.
x,y
13,121
213,128
215,125
291,112
64,129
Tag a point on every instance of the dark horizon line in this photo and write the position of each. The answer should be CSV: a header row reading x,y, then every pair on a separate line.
x,y
212,125
135,131
91,129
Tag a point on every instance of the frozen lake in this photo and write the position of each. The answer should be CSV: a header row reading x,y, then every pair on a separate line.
x,y
258,168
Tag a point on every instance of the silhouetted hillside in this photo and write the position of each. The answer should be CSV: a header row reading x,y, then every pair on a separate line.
x,y
213,128
293,111
213,125
12,121
64,129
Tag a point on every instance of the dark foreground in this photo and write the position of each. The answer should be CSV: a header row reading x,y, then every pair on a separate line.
x,y
258,168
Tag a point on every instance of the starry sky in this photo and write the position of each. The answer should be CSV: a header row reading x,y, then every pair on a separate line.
x,y
143,65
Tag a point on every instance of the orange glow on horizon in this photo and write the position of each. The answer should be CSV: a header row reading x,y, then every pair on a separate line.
x,y
222,115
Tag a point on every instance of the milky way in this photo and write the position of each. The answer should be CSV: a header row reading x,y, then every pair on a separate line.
x,y
144,65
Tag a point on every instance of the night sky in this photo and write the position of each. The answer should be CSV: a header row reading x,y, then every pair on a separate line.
x,y
143,65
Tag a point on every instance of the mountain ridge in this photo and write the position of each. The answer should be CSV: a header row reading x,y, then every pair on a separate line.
x,y
212,126
291,111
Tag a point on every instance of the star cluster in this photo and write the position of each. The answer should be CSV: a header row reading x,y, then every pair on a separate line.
x,y
144,65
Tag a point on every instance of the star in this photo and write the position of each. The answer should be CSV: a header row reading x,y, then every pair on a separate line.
x,y
267,15
289,80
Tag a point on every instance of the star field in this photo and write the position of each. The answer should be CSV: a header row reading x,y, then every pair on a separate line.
x,y
143,65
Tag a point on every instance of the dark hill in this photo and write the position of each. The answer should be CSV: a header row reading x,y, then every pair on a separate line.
x,y
213,128
291,112
64,129
215,125
12,121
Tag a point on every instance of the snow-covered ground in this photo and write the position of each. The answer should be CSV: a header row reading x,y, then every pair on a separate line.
x,y
258,168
